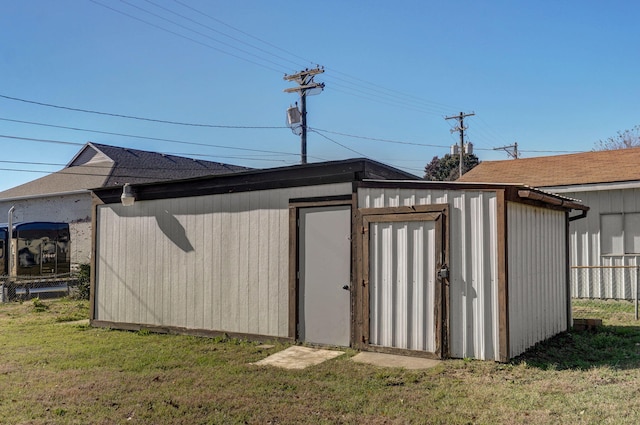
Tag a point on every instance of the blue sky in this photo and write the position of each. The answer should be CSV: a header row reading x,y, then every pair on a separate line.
x,y
553,76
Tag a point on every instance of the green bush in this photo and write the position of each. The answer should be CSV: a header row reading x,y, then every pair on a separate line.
x,y
84,282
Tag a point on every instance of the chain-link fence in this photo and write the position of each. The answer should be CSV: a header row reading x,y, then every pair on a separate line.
x,y
614,282
26,287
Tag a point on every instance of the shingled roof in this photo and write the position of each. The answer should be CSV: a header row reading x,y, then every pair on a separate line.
x,y
136,166
621,165
97,165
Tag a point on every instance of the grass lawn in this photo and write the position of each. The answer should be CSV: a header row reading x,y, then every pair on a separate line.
x,y
55,370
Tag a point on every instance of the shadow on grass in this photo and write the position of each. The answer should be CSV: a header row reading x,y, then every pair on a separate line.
x,y
614,346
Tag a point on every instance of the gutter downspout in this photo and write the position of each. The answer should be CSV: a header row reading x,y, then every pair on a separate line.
x,y
583,214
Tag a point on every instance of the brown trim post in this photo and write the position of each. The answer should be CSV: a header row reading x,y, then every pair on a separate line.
x,y
503,273
95,203
293,272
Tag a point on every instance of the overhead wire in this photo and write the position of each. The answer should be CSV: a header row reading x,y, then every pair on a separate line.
x,y
244,32
378,99
211,145
337,143
131,117
378,93
186,37
220,32
354,80
31,139
199,32
402,100
365,90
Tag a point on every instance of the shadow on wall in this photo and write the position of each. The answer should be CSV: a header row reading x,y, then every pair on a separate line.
x,y
172,228
167,223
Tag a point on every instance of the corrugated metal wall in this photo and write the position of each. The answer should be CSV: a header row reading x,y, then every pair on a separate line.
x,y
402,284
473,262
536,239
217,262
605,282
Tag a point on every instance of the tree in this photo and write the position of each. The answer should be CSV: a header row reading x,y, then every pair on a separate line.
x,y
447,168
623,140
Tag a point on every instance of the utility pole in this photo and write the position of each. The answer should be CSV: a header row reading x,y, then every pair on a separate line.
x,y
460,128
513,154
305,84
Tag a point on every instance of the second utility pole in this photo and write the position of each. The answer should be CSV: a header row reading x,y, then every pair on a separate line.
x,y
461,128
305,83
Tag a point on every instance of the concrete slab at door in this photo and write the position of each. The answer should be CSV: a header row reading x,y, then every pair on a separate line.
x,y
325,271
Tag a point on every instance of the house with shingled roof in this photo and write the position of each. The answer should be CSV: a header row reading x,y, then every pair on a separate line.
x,y
65,195
604,247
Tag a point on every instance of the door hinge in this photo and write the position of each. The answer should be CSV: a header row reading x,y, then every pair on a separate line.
x,y
365,282
364,230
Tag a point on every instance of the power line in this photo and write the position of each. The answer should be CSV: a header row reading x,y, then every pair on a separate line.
x,y
194,31
403,99
317,130
380,99
353,80
217,31
59,142
133,136
244,32
88,111
185,37
337,143
399,142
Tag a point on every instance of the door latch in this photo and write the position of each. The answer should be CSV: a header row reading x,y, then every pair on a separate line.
x,y
443,273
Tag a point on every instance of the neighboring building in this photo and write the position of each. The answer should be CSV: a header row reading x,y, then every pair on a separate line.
x,y
345,253
605,248
65,196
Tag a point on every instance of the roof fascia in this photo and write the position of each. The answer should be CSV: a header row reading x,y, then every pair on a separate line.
x,y
345,171
45,195
516,192
593,187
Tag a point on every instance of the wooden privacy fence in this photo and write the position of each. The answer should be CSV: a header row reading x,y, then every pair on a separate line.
x,y
606,282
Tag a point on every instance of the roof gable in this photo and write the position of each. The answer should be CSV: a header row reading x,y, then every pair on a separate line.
x,y
97,165
138,166
87,155
561,170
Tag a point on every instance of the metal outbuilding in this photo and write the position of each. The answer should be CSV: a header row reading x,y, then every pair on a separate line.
x,y
345,253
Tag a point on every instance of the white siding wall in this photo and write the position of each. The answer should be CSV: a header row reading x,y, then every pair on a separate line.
x,y
536,274
217,262
473,262
614,283
72,209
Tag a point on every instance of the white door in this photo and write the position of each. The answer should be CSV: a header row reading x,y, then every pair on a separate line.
x,y
404,296
324,295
